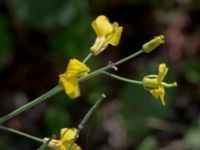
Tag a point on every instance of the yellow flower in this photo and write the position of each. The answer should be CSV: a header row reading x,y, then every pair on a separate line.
x,y
107,33
69,79
155,84
66,137
153,44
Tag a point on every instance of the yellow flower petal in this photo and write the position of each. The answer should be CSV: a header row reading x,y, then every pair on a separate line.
x,y
76,147
107,33
162,95
58,145
99,45
71,86
68,143
155,93
69,79
67,134
55,144
162,72
116,35
76,68
102,26
159,93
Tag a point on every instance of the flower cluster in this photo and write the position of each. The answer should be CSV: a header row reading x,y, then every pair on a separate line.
x,y
107,33
66,137
110,33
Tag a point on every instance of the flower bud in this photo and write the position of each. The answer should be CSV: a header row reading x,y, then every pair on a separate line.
x,y
153,44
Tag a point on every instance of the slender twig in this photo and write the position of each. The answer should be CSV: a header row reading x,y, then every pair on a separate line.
x,y
27,106
85,119
101,70
59,88
22,134
122,78
87,58
44,145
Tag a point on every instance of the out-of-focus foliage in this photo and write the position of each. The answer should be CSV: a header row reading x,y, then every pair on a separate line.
x,y
45,15
149,143
191,138
55,118
65,41
192,71
66,20
7,41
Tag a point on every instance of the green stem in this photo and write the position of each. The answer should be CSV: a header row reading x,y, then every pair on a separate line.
x,y
122,78
22,134
87,58
44,145
85,119
59,88
29,105
101,70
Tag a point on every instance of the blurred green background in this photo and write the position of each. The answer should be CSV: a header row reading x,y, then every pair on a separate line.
x,y
38,37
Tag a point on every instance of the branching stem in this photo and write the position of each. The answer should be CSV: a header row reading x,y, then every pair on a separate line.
x,y
57,89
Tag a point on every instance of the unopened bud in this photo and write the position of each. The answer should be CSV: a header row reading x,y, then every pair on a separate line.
x,y
153,44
